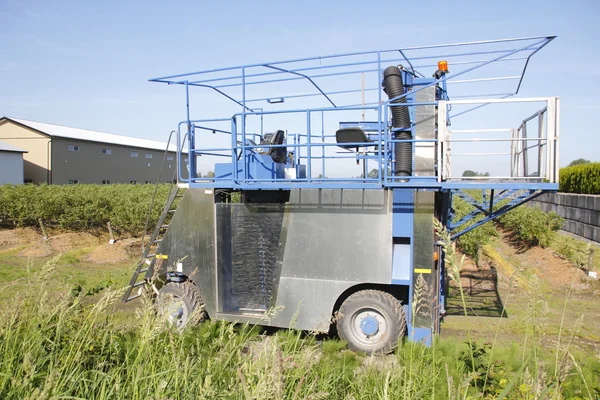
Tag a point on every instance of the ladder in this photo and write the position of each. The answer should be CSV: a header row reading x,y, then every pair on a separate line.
x,y
149,252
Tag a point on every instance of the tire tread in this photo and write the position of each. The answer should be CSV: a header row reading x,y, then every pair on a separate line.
x,y
393,305
191,292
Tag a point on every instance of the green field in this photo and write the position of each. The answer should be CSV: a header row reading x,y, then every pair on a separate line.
x,y
65,334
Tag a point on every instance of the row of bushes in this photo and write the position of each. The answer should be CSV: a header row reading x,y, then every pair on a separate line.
x,y
584,178
530,226
81,207
470,242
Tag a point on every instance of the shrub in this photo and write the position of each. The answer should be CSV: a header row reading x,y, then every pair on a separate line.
x,y
81,207
583,178
470,242
532,226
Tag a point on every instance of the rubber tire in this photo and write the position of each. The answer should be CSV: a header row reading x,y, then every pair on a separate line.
x,y
189,294
386,305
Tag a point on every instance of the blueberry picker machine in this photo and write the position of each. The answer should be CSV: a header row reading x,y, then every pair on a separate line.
x,y
327,175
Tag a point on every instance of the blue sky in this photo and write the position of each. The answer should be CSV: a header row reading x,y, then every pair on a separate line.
x,y
86,64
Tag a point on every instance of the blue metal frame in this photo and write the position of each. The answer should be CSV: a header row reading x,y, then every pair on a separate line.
x,y
487,209
318,71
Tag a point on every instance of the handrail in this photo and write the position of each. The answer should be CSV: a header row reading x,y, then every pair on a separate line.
x,y
378,152
545,140
149,215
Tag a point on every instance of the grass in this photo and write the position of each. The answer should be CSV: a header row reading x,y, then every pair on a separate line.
x,y
54,343
581,253
71,271
57,342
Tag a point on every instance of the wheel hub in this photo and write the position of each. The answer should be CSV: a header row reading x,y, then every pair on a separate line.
x,y
174,310
369,325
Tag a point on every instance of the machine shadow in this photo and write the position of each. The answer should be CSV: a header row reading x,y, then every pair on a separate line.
x,y
482,298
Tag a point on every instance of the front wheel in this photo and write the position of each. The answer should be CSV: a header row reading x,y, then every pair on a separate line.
x,y
371,321
180,304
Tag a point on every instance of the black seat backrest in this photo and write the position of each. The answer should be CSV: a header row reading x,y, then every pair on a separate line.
x,y
278,154
352,135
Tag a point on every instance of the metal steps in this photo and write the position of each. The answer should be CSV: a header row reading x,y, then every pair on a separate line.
x,y
144,268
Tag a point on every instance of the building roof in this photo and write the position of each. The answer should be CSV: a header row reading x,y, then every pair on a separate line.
x,y
9,147
92,136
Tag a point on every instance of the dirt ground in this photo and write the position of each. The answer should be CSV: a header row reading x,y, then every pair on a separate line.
x,y
498,296
12,238
117,252
497,291
31,243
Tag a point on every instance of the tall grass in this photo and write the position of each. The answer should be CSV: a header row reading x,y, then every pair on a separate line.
x,y
56,346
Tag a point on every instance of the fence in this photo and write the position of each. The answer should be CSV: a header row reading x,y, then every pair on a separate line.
x,y
580,211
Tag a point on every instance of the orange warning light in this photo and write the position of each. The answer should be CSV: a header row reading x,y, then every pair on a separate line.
x,y
443,66
435,256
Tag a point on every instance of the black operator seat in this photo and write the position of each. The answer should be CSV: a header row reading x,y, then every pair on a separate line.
x,y
278,154
352,135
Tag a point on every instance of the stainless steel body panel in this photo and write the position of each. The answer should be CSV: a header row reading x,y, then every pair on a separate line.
x,y
335,240
190,242
425,121
275,264
424,273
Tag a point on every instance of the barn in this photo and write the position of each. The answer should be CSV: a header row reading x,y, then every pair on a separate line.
x,y
11,163
57,154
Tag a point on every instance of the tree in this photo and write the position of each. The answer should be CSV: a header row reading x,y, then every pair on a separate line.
x,y
469,173
579,161
374,173
209,174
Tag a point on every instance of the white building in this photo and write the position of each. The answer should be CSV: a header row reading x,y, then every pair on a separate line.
x,y
63,155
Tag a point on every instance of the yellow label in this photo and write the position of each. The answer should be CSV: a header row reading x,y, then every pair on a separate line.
x,y
422,271
163,256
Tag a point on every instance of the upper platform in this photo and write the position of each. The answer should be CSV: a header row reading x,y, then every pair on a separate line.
x,y
273,125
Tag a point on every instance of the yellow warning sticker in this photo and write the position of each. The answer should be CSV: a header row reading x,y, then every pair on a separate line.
x,y
422,271
162,256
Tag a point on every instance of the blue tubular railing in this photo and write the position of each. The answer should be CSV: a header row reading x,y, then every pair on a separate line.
x,y
169,79
328,78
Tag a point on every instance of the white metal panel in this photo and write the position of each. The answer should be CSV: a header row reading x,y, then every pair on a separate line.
x,y
9,147
94,136
401,267
11,167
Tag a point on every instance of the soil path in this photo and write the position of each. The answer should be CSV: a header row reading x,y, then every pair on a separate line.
x,y
498,295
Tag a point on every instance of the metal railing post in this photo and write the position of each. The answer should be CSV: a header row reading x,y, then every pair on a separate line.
x,y
243,146
524,145
309,149
551,127
540,141
442,115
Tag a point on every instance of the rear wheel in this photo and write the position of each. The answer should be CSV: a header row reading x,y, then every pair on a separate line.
x,y
371,321
180,304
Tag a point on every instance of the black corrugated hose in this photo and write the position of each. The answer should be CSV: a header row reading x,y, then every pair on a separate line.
x,y
394,87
